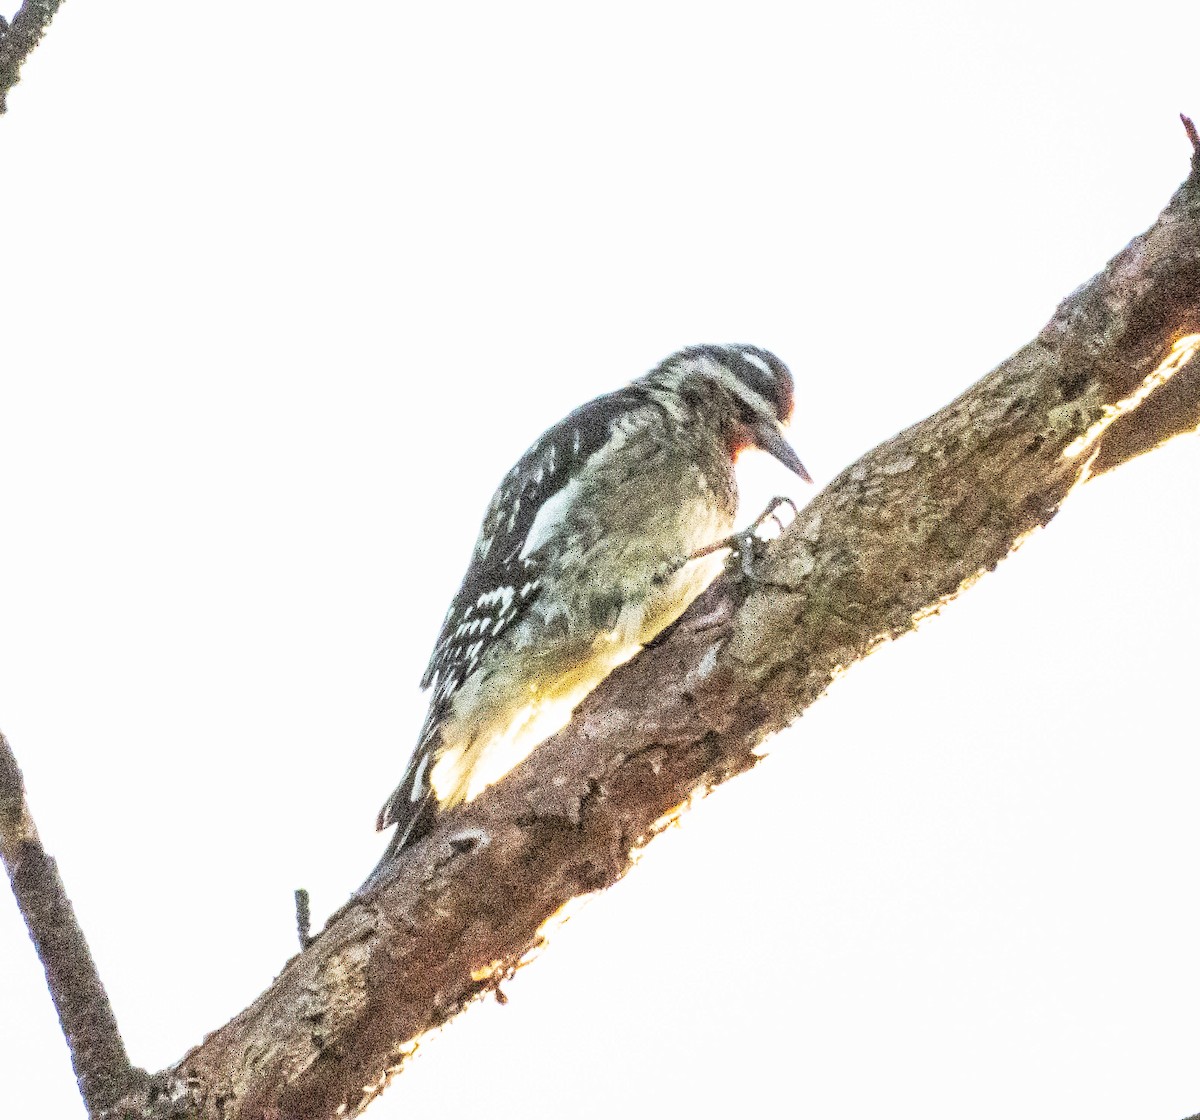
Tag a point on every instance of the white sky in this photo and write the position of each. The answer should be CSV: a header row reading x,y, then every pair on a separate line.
x,y
286,288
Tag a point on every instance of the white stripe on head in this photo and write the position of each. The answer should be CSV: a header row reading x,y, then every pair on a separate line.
x,y
755,360
719,365
753,400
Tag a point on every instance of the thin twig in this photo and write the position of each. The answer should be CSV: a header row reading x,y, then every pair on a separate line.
x,y
17,40
1189,127
97,1052
303,918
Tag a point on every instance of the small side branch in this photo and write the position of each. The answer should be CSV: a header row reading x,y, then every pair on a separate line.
x,y
17,40
101,1065
1189,127
303,919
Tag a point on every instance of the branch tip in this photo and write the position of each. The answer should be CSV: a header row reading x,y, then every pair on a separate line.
x,y
303,918
1189,127
18,37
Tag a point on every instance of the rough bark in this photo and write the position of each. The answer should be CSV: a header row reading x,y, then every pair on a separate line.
x,y
896,536
102,1068
17,40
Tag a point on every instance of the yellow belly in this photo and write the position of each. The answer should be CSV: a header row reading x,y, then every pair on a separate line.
x,y
497,721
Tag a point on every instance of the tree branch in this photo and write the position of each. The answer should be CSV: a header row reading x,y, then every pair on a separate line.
x,y
17,40
97,1052
895,537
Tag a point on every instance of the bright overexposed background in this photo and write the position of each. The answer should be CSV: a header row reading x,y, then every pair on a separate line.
x,y
286,287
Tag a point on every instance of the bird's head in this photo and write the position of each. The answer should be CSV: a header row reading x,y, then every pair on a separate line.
x,y
750,388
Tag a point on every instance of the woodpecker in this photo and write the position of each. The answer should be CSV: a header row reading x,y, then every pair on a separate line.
x,y
596,540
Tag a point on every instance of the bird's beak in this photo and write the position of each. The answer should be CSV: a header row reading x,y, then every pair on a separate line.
x,y
769,436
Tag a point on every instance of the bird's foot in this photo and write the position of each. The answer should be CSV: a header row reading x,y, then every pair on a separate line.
x,y
751,543
771,513
747,546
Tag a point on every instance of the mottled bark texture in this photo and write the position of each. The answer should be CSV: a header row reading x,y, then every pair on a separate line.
x,y
894,537
17,40
97,1052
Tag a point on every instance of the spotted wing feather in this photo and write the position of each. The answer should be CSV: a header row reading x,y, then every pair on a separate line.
x,y
501,583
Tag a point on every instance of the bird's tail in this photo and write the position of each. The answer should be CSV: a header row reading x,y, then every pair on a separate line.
x,y
411,807
416,822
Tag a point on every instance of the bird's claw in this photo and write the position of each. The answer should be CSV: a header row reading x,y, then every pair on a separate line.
x,y
747,545
757,543
771,513
750,545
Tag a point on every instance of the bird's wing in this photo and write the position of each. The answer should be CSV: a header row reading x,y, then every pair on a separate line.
x,y
510,553
507,566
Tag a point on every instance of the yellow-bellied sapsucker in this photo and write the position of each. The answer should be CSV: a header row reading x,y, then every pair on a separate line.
x,y
583,557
